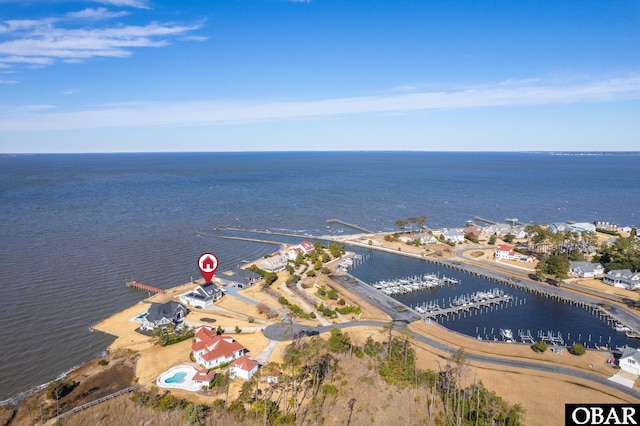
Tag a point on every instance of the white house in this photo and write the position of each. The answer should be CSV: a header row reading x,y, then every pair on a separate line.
x,y
201,296
586,269
239,278
204,377
558,227
504,252
630,360
210,350
582,227
623,278
275,263
426,238
163,314
453,235
243,367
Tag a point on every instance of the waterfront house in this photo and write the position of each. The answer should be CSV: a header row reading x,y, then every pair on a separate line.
x,y
243,367
558,227
426,238
474,231
582,227
275,263
211,350
586,269
453,235
238,278
163,314
293,252
201,296
307,247
630,360
623,278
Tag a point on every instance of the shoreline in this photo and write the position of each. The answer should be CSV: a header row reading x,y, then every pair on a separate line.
x,y
450,335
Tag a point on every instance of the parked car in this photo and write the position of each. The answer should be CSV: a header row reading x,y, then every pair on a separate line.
x,y
312,332
553,282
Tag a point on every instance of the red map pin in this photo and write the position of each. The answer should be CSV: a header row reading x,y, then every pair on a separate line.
x,y
207,263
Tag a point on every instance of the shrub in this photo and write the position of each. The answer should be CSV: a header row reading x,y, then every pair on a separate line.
x,y
539,346
283,300
577,349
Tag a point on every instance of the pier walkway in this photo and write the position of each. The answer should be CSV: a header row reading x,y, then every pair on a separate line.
x,y
149,288
350,225
467,307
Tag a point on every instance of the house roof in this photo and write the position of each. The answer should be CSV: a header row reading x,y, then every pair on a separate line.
x,y
205,291
217,347
240,276
504,247
204,375
630,352
158,311
205,333
584,266
244,363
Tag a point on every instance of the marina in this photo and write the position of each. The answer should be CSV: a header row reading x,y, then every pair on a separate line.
x,y
540,309
412,283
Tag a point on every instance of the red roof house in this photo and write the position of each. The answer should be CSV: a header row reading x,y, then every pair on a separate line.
x,y
243,367
211,350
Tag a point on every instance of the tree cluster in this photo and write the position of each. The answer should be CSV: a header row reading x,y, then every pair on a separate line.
x,y
311,380
624,253
401,224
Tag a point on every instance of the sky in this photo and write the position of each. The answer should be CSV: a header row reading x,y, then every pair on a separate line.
x,y
317,75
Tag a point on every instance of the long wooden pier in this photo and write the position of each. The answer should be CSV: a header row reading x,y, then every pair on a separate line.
x,y
149,288
350,225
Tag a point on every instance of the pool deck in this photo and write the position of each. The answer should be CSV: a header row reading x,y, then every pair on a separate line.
x,y
186,384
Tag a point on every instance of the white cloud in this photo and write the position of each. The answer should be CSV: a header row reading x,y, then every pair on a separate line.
x,y
196,113
43,42
96,14
8,81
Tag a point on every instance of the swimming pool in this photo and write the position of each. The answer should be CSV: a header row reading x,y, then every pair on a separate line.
x,y
176,378
179,377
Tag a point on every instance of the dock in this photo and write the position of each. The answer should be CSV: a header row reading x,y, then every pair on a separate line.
x,y
149,288
460,304
411,284
350,225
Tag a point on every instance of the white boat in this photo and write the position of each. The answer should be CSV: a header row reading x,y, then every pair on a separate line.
x,y
506,334
621,327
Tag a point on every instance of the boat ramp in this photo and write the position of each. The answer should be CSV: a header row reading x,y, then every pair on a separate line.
x,y
413,283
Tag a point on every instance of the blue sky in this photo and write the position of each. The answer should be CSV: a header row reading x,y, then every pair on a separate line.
x,y
251,75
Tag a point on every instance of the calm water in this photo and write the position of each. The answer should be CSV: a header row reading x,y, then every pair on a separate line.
x,y
73,228
527,312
